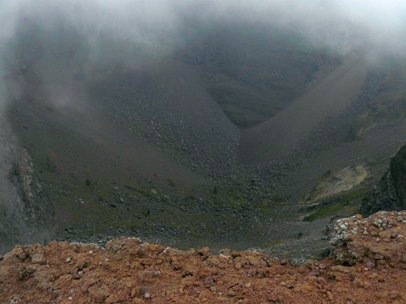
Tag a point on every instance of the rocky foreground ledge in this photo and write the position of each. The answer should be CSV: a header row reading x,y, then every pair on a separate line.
x,y
368,266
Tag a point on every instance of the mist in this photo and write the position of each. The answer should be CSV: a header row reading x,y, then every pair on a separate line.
x,y
379,27
104,33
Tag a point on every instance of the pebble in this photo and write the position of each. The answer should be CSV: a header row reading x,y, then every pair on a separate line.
x,y
322,266
330,296
147,295
254,261
38,258
385,234
340,268
20,253
394,295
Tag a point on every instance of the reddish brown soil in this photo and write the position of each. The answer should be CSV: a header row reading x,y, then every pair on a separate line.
x,y
130,271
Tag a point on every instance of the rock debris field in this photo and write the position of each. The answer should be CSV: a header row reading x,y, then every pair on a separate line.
x,y
367,265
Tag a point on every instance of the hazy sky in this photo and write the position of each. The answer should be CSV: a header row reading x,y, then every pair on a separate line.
x,y
340,24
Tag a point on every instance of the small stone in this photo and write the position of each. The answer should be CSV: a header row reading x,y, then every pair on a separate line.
x,y
135,292
370,264
147,295
366,284
176,266
38,258
340,268
343,226
254,261
386,234
321,281
25,273
360,283
373,232
322,266
20,253
373,276
330,296
186,273
394,295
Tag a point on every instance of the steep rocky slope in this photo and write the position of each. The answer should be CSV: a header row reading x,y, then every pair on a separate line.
x,y
26,211
284,132
368,267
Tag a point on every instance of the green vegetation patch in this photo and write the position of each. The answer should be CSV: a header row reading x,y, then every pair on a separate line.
x,y
345,205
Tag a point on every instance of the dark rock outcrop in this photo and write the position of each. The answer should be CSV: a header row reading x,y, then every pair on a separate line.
x,y
390,193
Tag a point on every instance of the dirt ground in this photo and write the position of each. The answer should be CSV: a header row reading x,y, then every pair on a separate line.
x,y
368,265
